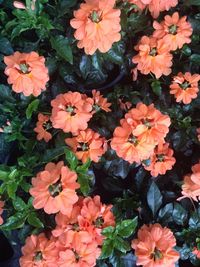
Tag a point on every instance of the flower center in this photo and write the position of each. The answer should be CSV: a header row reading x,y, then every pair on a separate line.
x,y
24,68
132,139
77,257
147,123
71,110
95,16
83,147
99,222
160,157
47,125
38,256
96,107
156,255
173,29
153,52
55,189
184,85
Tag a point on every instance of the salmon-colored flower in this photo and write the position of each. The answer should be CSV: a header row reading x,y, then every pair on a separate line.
x,y
185,87
155,6
39,252
191,184
196,252
1,211
87,145
124,105
54,189
97,25
100,102
27,73
42,126
174,31
128,146
71,112
81,253
148,123
161,161
154,247
19,5
153,57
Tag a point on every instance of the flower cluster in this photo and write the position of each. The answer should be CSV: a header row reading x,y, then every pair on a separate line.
x,y
191,184
155,246
155,6
75,241
141,137
154,52
97,25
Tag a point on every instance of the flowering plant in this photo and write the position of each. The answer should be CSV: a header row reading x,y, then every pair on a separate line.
x,y
100,132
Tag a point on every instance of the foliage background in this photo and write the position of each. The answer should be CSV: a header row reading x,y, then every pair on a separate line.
x,y
129,187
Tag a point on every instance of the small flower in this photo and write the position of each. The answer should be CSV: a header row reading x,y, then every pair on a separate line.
x,y
153,57
19,5
1,211
100,103
174,31
97,25
161,161
191,184
42,127
196,252
54,189
39,251
155,247
70,112
87,145
185,87
128,146
27,73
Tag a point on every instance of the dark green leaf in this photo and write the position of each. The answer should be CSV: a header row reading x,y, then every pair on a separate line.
x,y
33,106
71,159
127,227
107,249
11,189
121,245
34,220
195,59
154,198
108,231
5,46
156,87
179,214
52,154
62,47
14,222
165,214
19,204
83,180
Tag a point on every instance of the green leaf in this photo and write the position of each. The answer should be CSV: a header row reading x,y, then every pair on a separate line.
x,y
156,87
195,59
107,249
5,93
52,154
14,222
71,159
127,227
192,2
165,214
121,244
62,47
33,106
108,231
116,53
11,189
84,167
154,198
19,204
179,214
83,180
5,46
34,220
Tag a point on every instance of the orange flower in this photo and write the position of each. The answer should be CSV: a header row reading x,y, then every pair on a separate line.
x,y
174,31
42,127
87,145
128,146
155,6
196,252
39,251
191,184
148,123
54,189
70,112
97,25
1,211
81,253
27,73
161,161
155,247
185,87
153,56
100,103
